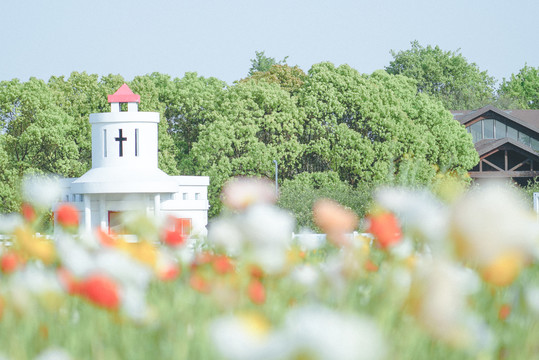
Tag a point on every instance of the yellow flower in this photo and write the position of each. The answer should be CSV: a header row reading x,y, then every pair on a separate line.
x,y
256,324
142,251
41,249
504,269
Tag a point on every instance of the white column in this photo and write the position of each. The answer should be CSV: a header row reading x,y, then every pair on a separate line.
x,y
157,205
102,213
87,214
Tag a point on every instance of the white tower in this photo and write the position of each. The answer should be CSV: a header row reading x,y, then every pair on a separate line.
x,y
124,151
124,174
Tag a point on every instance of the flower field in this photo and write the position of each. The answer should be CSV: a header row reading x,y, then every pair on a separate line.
x,y
422,276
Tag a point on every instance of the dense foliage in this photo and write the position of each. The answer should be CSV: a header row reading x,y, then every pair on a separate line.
x,y
446,75
298,195
523,88
366,129
262,63
362,129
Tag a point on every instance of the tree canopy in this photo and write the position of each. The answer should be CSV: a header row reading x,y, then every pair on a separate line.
x,y
365,128
263,63
523,88
288,78
332,123
446,75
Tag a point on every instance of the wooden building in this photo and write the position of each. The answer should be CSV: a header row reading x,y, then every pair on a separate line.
x,y
507,142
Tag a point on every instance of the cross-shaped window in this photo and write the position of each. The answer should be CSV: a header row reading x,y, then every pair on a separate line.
x,y
120,140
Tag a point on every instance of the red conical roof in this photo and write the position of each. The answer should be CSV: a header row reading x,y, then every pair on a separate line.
x,y
124,95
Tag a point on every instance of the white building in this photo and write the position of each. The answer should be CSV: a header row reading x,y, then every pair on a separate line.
x,y
125,176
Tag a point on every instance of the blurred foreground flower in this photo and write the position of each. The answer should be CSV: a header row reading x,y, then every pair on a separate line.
x,y
439,300
10,261
53,354
311,332
419,212
176,236
239,193
246,337
41,191
493,230
101,291
32,246
67,216
324,334
28,212
262,234
334,220
385,228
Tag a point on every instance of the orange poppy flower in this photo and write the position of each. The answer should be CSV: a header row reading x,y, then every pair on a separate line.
x,y
385,228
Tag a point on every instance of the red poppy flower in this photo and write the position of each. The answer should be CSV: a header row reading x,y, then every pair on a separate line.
x,y
106,239
370,266
256,272
201,258
28,212
222,264
199,284
68,281
9,262
385,227
101,291
173,238
67,216
256,292
169,273
505,311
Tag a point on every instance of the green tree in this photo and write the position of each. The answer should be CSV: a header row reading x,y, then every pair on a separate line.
x,y
523,88
39,135
152,90
10,195
288,78
446,75
373,128
78,96
189,101
254,124
261,62
367,129
299,194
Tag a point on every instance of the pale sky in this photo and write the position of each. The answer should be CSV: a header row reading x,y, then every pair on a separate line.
x,y
218,38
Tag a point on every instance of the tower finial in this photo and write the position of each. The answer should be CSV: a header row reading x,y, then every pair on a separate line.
x,y
124,95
